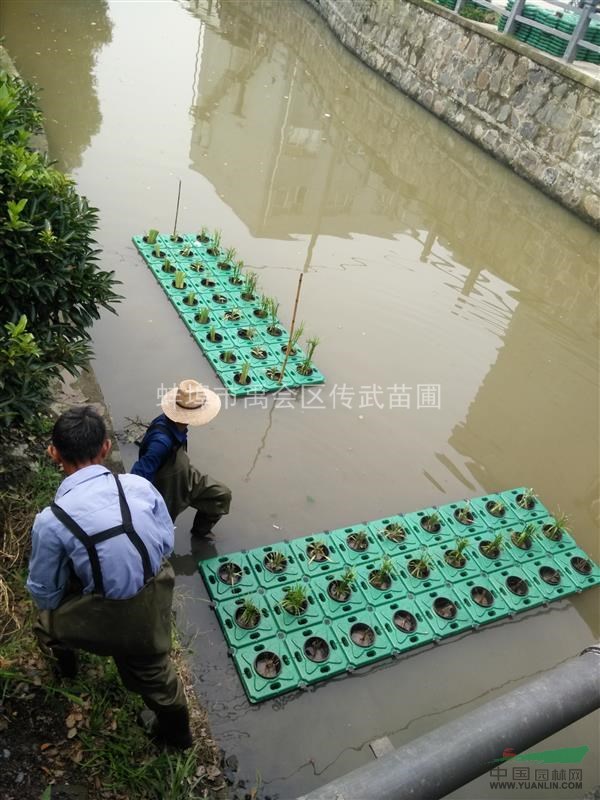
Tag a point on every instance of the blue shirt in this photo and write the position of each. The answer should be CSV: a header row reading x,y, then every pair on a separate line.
x,y
159,447
90,497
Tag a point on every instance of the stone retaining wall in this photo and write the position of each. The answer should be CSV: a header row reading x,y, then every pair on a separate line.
x,y
537,115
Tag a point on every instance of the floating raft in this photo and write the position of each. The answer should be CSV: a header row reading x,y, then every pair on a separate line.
x,y
415,606
212,280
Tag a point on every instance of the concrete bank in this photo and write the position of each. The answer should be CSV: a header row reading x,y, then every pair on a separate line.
x,y
533,113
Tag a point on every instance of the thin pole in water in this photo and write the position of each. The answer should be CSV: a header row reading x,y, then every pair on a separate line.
x,y
177,210
289,344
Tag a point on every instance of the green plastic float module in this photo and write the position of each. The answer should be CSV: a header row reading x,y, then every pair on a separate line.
x,y
245,620
404,623
551,578
394,535
211,286
484,601
317,554
362,637
355,596
519,587
524,504
266,669
579,568
429,526
356,543
316,653
228,576
337,594
445,612
275,565
462,519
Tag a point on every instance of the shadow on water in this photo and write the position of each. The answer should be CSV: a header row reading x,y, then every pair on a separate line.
x,y
73,32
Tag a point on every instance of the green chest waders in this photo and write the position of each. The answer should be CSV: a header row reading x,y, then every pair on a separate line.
x,y
139,625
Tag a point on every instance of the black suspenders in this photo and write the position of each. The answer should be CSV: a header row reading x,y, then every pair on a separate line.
x,y
90,542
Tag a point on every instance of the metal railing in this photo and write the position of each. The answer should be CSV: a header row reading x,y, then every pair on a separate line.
x,y
586,10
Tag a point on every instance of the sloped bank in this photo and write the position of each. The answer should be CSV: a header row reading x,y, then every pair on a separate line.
x,y
531,112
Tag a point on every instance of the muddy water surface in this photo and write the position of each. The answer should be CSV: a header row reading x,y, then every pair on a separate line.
x,y
426,263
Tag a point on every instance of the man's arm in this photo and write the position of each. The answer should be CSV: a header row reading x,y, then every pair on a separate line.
x,y
48,565
155,456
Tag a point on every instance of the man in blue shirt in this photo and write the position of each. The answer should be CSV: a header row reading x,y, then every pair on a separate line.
x,y
164,461
99,575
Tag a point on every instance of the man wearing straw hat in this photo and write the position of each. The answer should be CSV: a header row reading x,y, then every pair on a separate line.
x,y
163,458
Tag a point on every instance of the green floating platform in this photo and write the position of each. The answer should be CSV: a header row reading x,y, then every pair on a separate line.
x,y
236,330
301,612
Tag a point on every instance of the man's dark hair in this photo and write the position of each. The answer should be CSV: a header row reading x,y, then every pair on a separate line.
x,y
78,434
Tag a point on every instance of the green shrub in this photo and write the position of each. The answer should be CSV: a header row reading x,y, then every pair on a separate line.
x,y
479,13
48,259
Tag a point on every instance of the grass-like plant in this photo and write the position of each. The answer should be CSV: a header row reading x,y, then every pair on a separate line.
x,y
432,522
249,286
464,514
230,254
496,508
421,566
233,315
456,557
228,356
525,537
555,529
179,279
394,532
203,316
156,251
276,561
152,236
244,376
215,244
290,348
294,600
212,334
273,308
247,333
358,540
203,235
382,577
493,547
317,551
527,499
347,580
190,299
249,613
186,251
305,368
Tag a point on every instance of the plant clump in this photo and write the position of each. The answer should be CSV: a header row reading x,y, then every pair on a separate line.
x,y
306,367
464,515
317,551
456,557
496,508
243,377
275,561
524,538
340,588
431,523
358,541
230,573
203,316
527,499
382,577
554,530
491,548
248,614
421,567
294,600
395,532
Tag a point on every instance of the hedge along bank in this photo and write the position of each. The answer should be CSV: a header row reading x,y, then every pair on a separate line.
x,y
53,288
536,115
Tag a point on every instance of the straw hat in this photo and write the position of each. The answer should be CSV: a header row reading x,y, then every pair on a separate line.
x,y
191,403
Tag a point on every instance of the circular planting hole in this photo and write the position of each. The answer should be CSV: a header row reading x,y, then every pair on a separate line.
x,y
230,573
178,239
444,608
317,553
455,560
552,532
362,635
581,565
245,620
258,352
179,288
306,371
517,585
244,333
395,533
228,357
168,268
486,550
524,544
220,299
216,337
197,267
525,502
202,239
200,320
268,665
235,281
275,562
357,542
464,516
492,508
224,265
248,297
379,581
273,330
232,316
429,525
208,282
297,611
238,379
550,575
482,596
338,591
293,350
273,374
316,649
258,312
188,302
405,621
417,569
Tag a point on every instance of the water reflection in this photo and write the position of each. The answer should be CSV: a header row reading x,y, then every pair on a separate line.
x,y
73,32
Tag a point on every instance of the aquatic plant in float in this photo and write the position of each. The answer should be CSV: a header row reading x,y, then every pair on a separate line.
x,y
306,368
